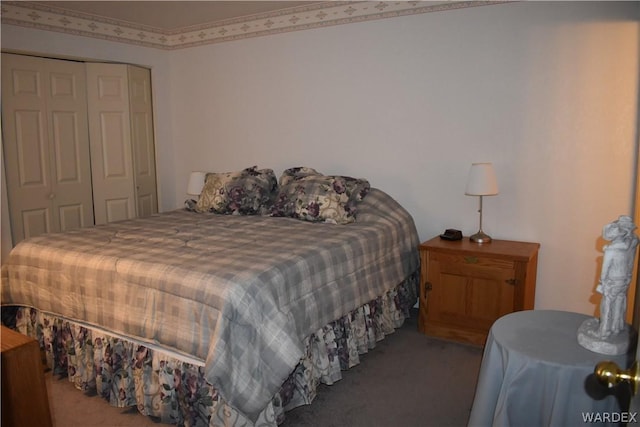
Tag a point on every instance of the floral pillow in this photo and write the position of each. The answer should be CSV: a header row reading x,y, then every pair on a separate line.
x,y
308,195
292,174
247,192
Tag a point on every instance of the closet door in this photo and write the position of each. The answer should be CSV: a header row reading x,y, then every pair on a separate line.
x,y
122,141
144,156
110,135
46,145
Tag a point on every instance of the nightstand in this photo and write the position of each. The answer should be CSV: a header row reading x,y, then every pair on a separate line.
x,y
466,286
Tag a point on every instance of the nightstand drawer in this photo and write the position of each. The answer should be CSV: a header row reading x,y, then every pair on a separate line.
x,y
472,260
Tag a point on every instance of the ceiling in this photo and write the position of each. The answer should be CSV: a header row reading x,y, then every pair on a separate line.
x,y
182,24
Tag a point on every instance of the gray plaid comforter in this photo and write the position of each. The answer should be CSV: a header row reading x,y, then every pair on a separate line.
x,y
237,292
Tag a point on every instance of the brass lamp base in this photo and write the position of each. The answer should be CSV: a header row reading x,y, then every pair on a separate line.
x,y
480,237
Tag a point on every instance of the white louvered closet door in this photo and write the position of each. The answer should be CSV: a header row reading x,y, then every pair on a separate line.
x,y
46,145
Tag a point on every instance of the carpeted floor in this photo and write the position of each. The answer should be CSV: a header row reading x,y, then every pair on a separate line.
x,y
408,380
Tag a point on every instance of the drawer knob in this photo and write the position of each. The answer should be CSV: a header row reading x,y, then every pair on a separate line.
x,y
511,282
428,286
471,259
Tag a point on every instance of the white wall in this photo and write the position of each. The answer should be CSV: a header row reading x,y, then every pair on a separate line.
x,y
546,91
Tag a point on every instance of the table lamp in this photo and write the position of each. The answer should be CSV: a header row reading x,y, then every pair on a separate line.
x,y
481,182
196,183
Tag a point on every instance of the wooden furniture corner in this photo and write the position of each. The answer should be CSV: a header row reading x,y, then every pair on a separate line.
x,y
24,391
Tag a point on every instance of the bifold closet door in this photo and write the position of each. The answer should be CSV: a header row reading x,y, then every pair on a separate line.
x,y
144,155
110,136
46,145
122,141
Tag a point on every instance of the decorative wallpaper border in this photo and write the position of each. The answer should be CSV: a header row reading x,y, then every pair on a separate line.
x,y
315,15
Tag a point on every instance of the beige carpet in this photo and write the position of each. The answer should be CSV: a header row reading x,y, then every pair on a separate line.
x,y
408,380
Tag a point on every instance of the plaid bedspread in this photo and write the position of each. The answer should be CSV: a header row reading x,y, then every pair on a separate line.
x,y
237,292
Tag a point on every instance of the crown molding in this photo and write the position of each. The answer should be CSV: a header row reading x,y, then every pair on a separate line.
x,y
316,15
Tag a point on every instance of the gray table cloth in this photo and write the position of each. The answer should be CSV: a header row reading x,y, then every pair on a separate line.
x,y
534,373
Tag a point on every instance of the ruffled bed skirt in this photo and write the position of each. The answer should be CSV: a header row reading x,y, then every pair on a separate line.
x,y
175,392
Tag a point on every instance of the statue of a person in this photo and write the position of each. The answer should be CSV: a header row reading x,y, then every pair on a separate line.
x,y
617,267
610,334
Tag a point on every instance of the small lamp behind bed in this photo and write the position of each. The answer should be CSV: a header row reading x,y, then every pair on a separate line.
x,y
194,188
196,182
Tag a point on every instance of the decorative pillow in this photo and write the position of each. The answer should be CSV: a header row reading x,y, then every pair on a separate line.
x,y
295,173
311,196
247,192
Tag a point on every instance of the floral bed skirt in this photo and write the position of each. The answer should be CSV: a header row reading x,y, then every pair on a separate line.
x,y
174,391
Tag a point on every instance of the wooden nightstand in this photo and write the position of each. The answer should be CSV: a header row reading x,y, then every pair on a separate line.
x,y
466,286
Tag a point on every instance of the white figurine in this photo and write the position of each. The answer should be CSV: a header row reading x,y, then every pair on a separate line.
x,y
617,267
610,335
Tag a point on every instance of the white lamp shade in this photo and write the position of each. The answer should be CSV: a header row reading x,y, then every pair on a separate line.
x,y
196,182
482,180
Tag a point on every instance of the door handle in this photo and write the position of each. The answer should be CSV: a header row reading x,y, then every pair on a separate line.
x,y
610,374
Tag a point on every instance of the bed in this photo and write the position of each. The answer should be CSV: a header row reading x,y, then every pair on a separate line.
x,y
227,312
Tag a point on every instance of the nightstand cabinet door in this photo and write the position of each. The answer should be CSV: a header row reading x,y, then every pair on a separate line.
x,y
468,292
466,287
